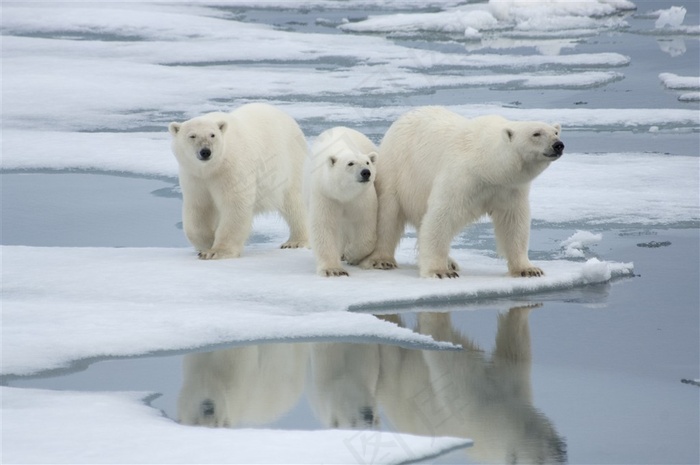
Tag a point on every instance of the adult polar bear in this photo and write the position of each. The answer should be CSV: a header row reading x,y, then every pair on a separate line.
x,y
440,171
234,165
339,188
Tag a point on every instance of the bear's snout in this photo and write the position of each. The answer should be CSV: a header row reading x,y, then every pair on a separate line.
x,y
558,147
365,174
204,154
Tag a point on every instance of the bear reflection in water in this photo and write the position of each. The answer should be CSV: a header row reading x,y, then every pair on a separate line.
x,y
463,393
251,385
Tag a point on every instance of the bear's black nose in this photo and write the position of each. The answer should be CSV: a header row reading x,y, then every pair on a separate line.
x,y
558,147
365,173
204,154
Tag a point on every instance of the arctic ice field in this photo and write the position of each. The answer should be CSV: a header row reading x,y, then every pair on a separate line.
x,y
95,265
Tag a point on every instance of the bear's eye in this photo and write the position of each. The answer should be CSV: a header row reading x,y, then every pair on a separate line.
x,y
367,163
212,135
537,134
192,136
351,164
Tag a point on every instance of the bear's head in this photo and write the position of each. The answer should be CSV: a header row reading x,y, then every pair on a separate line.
x,y
348,174
535,141
198,141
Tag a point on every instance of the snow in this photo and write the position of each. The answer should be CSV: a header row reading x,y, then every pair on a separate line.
x,y
573,247
126,301
672,17
112,426
552,16
673,81
689,97
159,76
670,21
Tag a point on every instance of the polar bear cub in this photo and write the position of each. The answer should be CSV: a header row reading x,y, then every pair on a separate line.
x,y
342,201
440,172
233,166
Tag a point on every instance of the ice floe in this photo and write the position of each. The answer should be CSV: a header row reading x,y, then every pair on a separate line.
x,y
573,247
92,428
522,17
65,304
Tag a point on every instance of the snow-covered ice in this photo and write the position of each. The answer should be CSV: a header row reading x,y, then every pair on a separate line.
x,y
673,81
118,428
672,17
66,304
552,16
689,97
574,245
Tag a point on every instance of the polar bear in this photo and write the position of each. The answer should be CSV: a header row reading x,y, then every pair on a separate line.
x,y
234,165
440,172
339,189
250,385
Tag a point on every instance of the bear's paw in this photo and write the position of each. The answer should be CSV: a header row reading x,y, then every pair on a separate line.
x,y
379,263
330,272
452,264
290,244
217,254
528,272
443,273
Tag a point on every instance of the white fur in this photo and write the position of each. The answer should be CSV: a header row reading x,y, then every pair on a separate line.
x,y
250,385
255,166
342,204
440,172
344,388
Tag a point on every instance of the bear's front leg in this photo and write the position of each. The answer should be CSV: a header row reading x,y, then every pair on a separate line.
x,y
198,219
325,238
511,224
438,227
360,233
235,224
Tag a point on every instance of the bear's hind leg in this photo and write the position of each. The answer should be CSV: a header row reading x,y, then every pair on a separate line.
x,y
326,240
294,213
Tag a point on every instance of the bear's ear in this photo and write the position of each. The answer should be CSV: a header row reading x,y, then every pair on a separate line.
x,y
222,126
332,160
557,127
509,132
373,157
174,128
